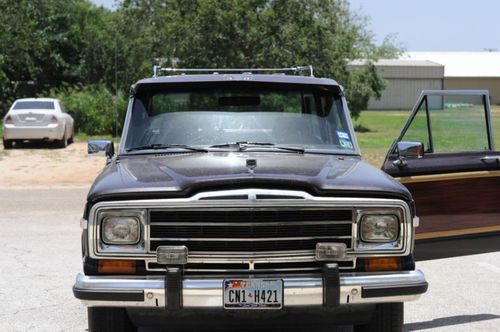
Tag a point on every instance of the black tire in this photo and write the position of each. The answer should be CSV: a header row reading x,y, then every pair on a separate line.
x,y
71,139
7,144
62,143
109,320
387,317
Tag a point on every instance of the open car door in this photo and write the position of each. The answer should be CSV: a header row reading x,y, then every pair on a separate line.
x,y
445,156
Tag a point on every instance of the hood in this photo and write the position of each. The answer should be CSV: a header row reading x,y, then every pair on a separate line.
x,y
185,174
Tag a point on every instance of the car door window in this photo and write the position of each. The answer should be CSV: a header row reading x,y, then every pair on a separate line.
x,y
418,131
450,123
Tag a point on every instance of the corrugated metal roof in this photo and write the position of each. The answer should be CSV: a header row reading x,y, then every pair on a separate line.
x,y
398,62
461,64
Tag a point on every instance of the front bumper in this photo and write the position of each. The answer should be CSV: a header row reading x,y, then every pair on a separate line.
x,y
49,132
150,291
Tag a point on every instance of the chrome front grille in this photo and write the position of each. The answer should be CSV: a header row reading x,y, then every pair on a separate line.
x,y
234,237
249,230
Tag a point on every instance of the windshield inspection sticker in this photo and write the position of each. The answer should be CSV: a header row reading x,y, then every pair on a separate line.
x,y
343,134
344,140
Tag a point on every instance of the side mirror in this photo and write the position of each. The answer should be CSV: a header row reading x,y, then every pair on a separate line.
x,y
408,150
414,150
101,147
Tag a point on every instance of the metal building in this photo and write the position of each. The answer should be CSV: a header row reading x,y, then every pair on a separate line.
x,y
405,80
466,70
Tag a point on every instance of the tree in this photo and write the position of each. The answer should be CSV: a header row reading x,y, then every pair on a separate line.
x,y
261,33
52,42
55,43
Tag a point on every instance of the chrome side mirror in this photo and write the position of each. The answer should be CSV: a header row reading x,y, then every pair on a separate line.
x,y
101,147
408,150
413,150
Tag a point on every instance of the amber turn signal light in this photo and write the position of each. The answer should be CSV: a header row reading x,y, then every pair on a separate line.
x,y
116,266
382,264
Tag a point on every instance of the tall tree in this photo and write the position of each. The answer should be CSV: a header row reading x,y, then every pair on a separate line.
x,y
261,33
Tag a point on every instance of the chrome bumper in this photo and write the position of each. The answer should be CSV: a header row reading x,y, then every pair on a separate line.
x,y
48,132
149,291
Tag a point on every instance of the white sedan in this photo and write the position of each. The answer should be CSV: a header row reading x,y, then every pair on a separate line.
x,y
37,119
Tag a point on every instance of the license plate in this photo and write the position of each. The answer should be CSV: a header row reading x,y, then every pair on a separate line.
x,y
253,293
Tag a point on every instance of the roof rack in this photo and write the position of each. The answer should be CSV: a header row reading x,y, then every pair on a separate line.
x,y
158,70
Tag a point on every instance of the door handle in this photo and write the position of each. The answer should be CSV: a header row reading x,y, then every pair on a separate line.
x,y
490,159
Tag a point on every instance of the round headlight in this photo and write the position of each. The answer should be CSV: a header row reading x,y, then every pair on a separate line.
x,y
120,230
379,228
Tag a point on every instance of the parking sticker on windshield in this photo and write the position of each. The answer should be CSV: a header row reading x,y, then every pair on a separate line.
x,y
344,140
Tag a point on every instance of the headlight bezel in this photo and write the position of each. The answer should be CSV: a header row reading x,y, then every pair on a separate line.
x,y
395,244
125,248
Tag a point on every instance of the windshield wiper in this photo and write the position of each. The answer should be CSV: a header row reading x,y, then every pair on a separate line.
x,y
243,145
158,146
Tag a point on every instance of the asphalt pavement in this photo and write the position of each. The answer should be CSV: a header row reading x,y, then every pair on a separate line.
x,y
40,256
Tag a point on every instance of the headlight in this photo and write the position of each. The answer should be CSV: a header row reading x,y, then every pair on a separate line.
x,y
120,230
379,228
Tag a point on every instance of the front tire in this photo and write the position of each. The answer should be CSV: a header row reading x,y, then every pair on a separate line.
x,y
387,317
7,144
109,320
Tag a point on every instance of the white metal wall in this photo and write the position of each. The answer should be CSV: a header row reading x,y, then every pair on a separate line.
x,y
405,81
402,93
425,71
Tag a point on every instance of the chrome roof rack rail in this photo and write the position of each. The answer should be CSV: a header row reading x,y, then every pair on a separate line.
x,y
158,70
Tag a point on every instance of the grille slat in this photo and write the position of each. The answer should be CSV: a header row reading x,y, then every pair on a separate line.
x,y
232,267
245,246
252,232
260,216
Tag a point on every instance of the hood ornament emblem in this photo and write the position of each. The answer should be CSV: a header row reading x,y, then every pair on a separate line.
x,y
251,164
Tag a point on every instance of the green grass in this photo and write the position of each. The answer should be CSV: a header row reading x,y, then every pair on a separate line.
x,y
453,130
82,137
384,128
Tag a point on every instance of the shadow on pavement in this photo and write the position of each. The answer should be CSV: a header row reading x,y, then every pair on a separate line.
x,y
449,321
274,329
36,145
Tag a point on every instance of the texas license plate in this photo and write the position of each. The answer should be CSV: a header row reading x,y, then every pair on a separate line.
x,y
253,293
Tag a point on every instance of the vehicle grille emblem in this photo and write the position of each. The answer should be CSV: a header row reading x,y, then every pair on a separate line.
x,y
251,164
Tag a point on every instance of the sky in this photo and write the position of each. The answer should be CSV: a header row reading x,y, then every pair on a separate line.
x,y
428,25
435,25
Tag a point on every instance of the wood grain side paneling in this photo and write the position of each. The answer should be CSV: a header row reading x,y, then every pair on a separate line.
x,y
455,204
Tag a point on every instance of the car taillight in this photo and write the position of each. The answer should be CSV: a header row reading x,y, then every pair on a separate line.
x,y
53,119
8,119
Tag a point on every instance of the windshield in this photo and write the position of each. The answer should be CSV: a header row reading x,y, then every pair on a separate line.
x,y
34,105
309,117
